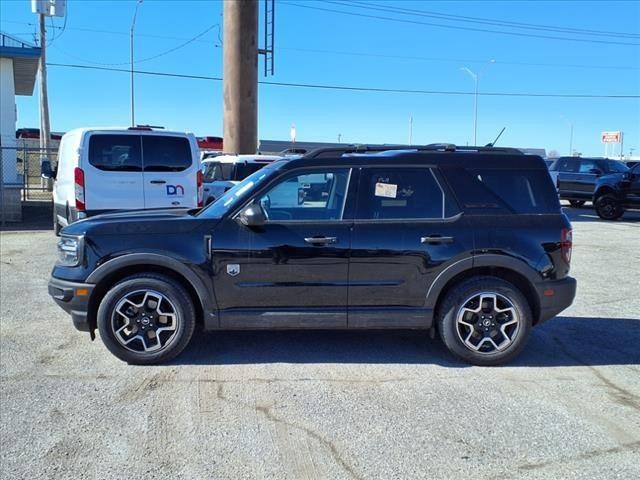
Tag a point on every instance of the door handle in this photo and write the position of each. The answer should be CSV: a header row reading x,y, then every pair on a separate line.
x,y
160,182
320,240
436,239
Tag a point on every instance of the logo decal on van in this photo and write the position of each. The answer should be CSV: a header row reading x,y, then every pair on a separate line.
x,y
175,191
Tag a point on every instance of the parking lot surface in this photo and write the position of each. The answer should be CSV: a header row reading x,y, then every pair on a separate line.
x,y
306,405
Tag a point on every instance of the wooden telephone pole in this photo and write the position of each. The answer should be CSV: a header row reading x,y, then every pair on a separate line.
x,y
240,76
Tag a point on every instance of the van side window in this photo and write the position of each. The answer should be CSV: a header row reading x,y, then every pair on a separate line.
x,y
165,154
117,153
401,193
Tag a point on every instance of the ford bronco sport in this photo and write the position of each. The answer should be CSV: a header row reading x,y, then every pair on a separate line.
x,y
466,241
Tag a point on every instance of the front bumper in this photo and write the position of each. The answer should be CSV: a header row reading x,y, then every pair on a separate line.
x,y
73,298
555,296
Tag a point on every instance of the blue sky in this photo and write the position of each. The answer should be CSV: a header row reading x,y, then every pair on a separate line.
x,y
325,47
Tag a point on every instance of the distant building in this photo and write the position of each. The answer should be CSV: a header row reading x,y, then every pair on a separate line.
x,y
18,70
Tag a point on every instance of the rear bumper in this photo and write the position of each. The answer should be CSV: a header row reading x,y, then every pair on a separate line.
x,y
555,296
73,298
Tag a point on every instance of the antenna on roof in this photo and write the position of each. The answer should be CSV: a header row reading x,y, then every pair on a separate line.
x,y
496,140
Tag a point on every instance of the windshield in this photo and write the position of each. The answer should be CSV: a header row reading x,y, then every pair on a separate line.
x,y
615,166
238,193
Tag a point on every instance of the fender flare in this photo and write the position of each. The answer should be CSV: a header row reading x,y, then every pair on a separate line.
x,y
481,260
204,292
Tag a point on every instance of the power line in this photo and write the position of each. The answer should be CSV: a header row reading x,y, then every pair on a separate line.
x,y
459,60
456,27
357,88
359,54
146,59
489,21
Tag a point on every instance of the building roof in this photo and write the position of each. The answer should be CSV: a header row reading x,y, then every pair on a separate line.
x,y
25,62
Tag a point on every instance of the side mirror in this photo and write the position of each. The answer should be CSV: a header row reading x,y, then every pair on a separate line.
x,y
45,169
595,171
253,216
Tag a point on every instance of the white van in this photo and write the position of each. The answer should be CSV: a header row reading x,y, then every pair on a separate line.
x,y
107,169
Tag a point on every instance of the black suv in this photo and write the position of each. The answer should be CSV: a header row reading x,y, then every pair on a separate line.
x,y
577,176
469,242
616,193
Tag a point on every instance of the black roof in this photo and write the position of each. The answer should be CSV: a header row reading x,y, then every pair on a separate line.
x,y
435,154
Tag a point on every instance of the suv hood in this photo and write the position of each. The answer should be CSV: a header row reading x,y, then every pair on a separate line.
x,y
157,221
611,178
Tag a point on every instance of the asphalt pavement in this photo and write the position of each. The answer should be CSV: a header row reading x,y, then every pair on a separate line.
x,y
307,404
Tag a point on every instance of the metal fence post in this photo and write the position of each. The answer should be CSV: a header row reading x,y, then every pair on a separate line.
x,y
2,199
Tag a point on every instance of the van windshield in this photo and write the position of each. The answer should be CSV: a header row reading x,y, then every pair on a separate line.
x,y
239,192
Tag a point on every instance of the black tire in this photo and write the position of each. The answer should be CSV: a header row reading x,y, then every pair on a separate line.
x,y
56,224
460,295
577,203
180,301
608,207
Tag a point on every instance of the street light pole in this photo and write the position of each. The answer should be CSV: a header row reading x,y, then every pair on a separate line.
x,y
476,79
570,123
133,25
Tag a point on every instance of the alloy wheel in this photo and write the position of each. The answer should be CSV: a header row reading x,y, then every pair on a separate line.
x,y
487,322
145,321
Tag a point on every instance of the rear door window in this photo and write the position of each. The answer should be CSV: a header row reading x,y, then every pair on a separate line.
x,y
166,154
587,165
567,165
217,171
115,153
402,193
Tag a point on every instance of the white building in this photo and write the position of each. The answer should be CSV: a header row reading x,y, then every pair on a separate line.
x,y
18,70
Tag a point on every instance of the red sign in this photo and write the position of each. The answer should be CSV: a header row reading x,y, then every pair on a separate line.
x,y
611,137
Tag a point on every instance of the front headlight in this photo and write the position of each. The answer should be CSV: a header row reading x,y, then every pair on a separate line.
x,y
70,251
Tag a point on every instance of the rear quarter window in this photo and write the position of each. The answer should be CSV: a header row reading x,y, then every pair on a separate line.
x,y
493,191
166,154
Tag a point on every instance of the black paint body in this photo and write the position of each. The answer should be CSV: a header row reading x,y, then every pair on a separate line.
x,y
377,273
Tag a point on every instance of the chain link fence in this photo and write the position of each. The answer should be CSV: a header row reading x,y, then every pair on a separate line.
x,y
21,180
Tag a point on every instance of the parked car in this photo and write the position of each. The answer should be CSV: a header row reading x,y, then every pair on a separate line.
x,y
222,172
108,169
438,238
616,193
576,176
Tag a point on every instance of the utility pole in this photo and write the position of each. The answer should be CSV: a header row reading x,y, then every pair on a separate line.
x,y
570,123
411,130
45,129
240,76
133,26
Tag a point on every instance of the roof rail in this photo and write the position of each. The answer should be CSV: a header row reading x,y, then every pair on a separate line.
x,y
432,147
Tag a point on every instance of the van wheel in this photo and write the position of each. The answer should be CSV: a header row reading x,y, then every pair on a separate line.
x,y
56,224
608,207
577,203
146,319
484,321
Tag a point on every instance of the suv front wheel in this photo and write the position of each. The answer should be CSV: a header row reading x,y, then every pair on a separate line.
x,y
608,207
146,319
484,321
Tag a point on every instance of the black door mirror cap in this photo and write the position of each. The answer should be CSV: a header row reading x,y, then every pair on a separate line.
x,y
252,216
595,171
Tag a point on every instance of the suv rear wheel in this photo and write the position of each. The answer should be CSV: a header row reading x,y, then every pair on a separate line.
x,y
576,203
608,207
484,321
146,319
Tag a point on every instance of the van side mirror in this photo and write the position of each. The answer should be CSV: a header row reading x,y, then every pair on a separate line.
x,y
595,171
253,216
45,169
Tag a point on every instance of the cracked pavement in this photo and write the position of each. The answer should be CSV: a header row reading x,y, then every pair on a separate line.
x,y
316,405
